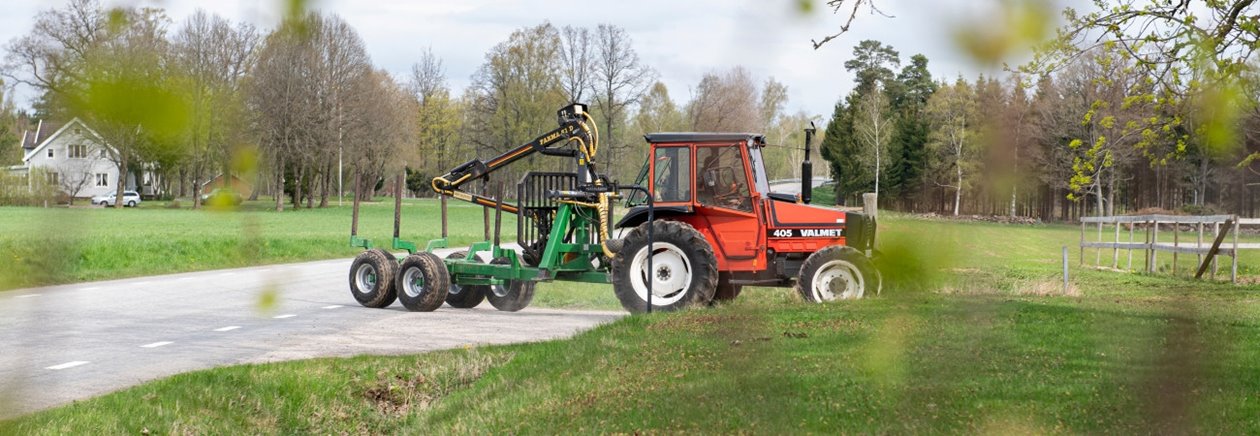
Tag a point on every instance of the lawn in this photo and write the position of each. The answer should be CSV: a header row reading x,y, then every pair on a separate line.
x,y
972,335
60,245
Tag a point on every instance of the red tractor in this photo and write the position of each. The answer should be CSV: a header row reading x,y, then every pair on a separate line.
x,y
704,206
718,227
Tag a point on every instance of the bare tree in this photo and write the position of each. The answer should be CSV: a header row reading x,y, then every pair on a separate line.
x,y
577,62
851,7
214,58
621,79
952,110
726,102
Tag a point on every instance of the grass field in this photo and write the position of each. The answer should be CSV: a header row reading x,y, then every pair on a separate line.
x,y
973,334
49,246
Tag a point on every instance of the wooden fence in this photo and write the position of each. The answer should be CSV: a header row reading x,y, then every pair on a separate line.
x,y
1222,227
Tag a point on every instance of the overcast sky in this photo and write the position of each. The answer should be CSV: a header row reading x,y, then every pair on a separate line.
x,y
681,39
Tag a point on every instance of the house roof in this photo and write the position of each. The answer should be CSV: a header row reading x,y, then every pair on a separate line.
x,y
43,130
43,144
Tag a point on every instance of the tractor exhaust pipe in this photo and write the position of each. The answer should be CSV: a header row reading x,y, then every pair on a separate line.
x,y
807,167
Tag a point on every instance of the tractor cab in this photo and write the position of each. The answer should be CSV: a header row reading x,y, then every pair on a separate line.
x,y
717,183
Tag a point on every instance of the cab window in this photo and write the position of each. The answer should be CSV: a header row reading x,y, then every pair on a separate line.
x,y
672,169
722,181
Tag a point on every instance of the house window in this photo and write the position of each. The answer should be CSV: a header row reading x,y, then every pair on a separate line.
x,y
102,179
50,152
78,151
104,155
54,178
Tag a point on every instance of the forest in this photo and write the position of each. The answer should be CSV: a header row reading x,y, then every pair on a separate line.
x,y
1127,107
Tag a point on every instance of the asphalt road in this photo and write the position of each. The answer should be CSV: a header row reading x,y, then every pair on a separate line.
x,y
65,343
793,186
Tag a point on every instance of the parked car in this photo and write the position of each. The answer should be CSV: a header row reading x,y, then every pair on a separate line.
x,y
220,196
130,199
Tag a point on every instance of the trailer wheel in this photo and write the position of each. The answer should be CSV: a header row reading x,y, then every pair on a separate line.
x,y
684,268
836,273
511,296
726,292
423,282
465,296
372,279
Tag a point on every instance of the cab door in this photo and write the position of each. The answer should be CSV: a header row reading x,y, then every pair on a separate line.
x,y
724,199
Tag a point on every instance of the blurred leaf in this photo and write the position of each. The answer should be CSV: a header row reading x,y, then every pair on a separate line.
x,y
805,7
1017,28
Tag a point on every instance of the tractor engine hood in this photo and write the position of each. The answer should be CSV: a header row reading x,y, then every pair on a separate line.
x,y
814,221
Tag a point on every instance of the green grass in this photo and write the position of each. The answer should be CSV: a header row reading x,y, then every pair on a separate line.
x,y
59,245
972,335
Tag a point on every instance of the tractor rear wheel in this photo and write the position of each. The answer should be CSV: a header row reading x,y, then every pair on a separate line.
x,y
423,282
372,278
465,296
511,296
684,268
837,273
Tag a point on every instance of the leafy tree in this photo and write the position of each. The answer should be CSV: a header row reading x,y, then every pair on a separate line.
x,y
952,110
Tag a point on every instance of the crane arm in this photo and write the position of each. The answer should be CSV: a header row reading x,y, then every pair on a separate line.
x,y
573,121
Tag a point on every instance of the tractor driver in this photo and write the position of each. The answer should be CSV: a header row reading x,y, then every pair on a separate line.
x,y
721,183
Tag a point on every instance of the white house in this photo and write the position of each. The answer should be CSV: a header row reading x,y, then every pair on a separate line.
x,y
75,158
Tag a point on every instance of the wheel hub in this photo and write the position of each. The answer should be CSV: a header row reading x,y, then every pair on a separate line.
x,y
669,277
366,276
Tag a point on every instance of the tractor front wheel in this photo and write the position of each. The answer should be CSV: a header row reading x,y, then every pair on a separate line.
x,y
683,273
512,295
423,282
465,296
837,273
372,278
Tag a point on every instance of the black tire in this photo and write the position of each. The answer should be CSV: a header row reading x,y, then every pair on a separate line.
x,y
838,273
372,279
688,254
726,292
423,282
511,296
465,296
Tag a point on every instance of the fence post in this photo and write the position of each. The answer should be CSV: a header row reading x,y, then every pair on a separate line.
x,y
1233,269
1154,252
1198,244
1082,241
1131,246
1115,252
1098,251
1216,233
1176,245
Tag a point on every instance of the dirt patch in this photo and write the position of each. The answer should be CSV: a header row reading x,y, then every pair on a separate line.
x,y
399,394
1047,288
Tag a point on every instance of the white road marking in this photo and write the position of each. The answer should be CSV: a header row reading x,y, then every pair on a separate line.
x,y
284,316
227,329
156,344
335,306
28,296
68,365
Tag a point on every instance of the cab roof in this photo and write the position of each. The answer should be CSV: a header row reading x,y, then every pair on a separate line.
x,y
667,137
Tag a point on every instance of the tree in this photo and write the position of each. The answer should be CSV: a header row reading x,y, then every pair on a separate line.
x,y
725,103
10,147
851,7
952,111
577,62
438,120
514,96
109,69
620,80
908,96
874,127
213,58
872,65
